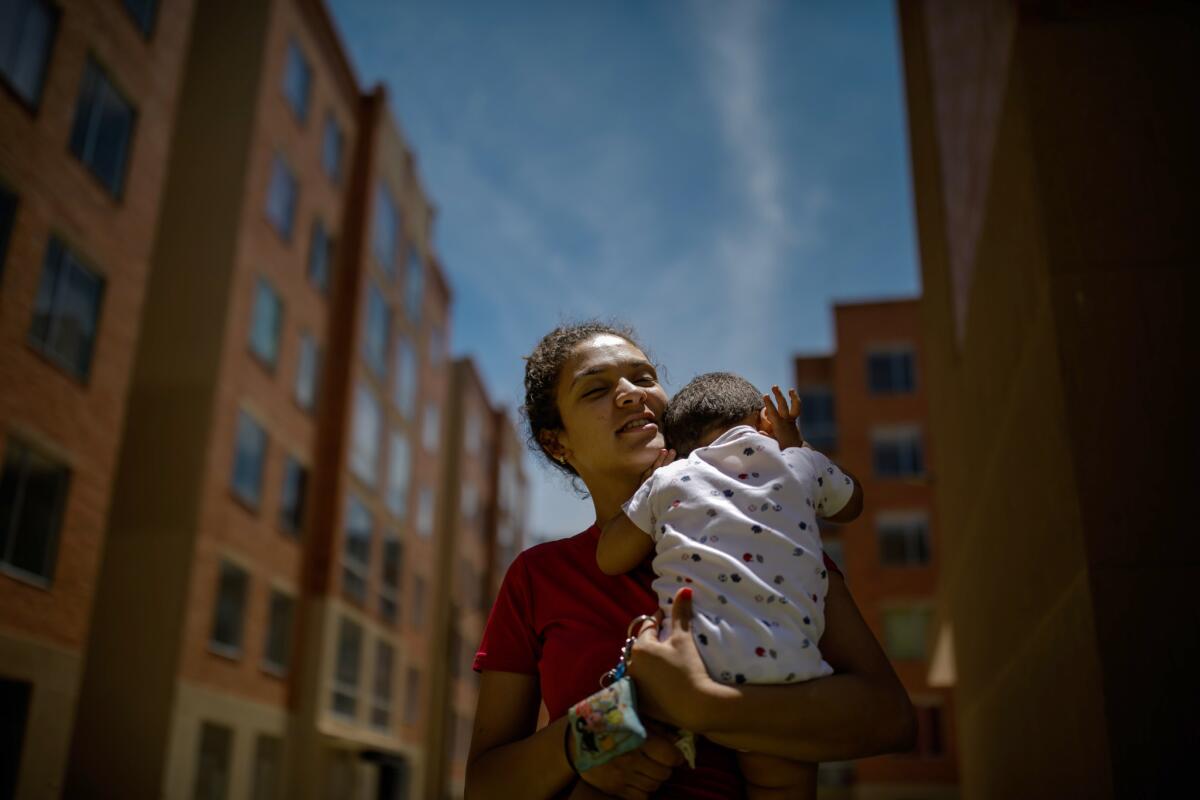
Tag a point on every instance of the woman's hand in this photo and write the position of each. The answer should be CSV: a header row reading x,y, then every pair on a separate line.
x,y
672,682
637,774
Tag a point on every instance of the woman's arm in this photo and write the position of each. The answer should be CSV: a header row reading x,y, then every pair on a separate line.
x,y
508,758
859,711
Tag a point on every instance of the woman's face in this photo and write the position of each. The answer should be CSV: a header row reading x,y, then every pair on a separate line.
x,y
612,407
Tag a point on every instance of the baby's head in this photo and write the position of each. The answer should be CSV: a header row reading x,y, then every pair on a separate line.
x,y
707,407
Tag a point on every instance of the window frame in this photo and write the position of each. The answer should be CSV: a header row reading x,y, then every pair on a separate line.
x,y
105,89
251,503
338,683
33,105
66,259
268,664
293,525
269,362
229,650
357,568
62,475
294,55
896,354
280,166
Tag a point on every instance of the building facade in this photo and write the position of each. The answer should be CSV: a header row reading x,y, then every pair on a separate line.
x,y
865,406
88,100
1054,166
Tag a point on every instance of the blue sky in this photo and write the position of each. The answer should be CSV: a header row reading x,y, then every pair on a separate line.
x,y
714,173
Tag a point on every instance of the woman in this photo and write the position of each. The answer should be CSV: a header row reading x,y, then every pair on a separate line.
x,y
592,399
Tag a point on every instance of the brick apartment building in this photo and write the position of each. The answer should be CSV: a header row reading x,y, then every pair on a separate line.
x,y
1054,165
865,406
88,96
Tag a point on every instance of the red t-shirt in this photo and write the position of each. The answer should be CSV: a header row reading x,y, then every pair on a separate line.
x,y
559,617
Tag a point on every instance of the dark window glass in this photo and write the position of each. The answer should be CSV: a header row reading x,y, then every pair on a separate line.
x,y
8,213
232,585
905,631
389,591
412,696
379,323
898,455
381,697
103,128
33,492
320,256
356,552
903,542
66,310
414,291
281,197
308,371
268,762
331,148
278,648
142,12
345,678
890,372
295,483
297,81
14,713
818,424
212,762
267,324
385,230
26,32
249,457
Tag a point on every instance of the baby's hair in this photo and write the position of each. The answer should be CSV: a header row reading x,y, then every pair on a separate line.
x,y
712,400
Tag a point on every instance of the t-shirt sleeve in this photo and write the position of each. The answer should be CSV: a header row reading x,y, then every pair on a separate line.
x,y
640,507
510,642
834,487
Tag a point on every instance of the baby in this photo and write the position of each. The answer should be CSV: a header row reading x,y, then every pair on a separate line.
x,y
735,518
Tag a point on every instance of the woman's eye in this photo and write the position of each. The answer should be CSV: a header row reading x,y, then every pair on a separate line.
x,y
593,392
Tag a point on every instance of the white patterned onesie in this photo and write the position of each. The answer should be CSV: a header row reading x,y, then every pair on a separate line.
x,y
737,521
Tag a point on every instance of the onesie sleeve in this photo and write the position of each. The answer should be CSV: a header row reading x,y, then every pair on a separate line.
x,y
833,487
640,507
510,643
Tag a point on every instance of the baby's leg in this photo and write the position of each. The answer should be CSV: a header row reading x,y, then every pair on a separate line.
x,y
775,778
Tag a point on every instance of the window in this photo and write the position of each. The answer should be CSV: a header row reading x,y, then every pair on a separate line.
x,y
26,30
8,213
142,12
308,370
356,550
368,430
331,149
345,677
398,473
33,492
278,648
267,323
14,699
903,539
425,512
67,310
389,589
897,452
817,422
404,381
890,371
416,284
381,697
412,696
930,734
268,763
378,322
281,197
103,128
905,631
320,256
291,506
212,762
385,230
431,430
232,585
417,617
297,80
250,453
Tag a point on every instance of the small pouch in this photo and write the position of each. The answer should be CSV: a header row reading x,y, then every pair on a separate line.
x,y
606,724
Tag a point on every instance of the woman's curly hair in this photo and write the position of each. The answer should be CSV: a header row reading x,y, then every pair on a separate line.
x,y
542,369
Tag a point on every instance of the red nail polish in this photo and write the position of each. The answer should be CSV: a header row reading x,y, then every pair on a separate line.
x,y
685,593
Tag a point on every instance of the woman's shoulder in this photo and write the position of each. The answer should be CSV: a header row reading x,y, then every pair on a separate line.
x,y
556,552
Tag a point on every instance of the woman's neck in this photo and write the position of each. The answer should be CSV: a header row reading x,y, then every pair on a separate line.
x,y
609,493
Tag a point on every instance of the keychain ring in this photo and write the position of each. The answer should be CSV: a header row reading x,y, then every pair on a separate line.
x,y
629,634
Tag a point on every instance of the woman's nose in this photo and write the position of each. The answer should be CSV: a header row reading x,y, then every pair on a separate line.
x,y
628,392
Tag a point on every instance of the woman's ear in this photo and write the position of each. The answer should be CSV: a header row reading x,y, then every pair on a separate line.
x,y
551,446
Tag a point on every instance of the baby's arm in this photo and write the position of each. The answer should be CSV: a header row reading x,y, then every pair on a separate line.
x,y
783,423
623,546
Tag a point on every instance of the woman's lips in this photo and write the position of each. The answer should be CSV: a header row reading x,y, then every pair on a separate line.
x,y
648,426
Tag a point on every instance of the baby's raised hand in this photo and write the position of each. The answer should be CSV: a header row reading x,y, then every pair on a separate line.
x,y
782,419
